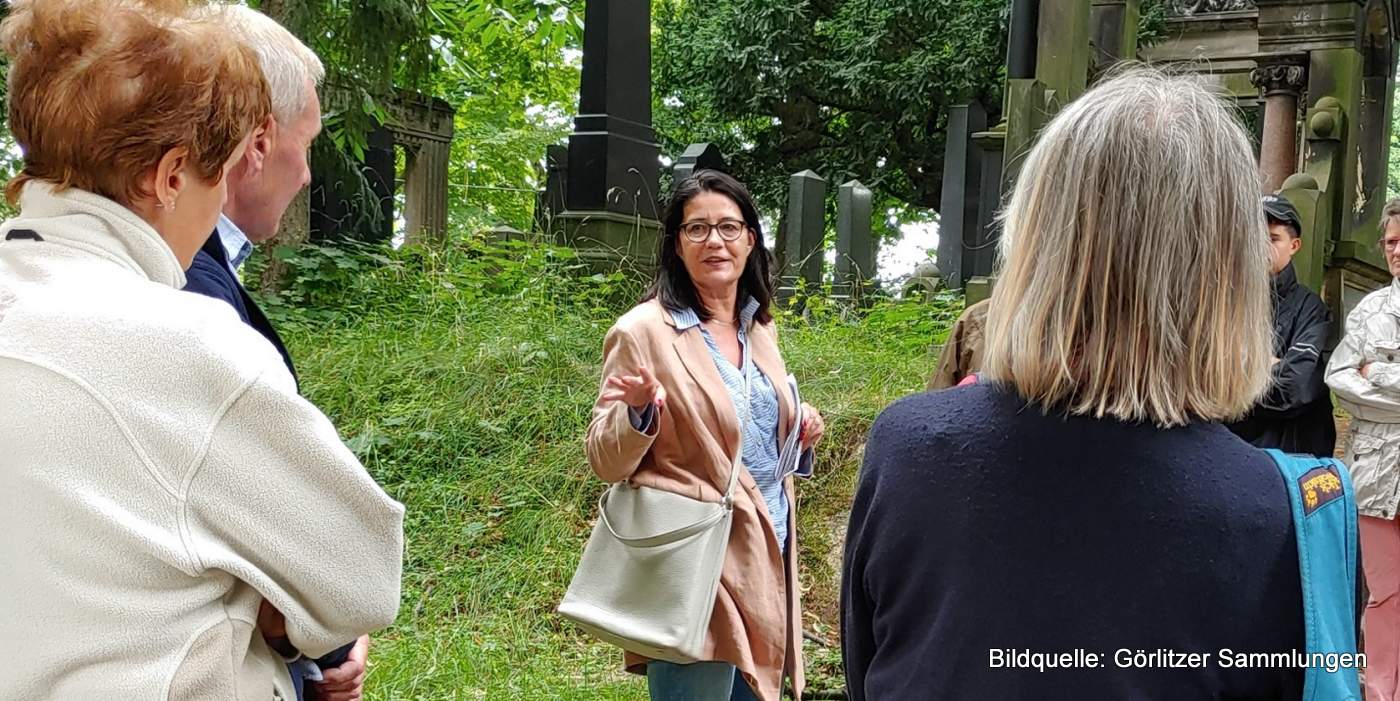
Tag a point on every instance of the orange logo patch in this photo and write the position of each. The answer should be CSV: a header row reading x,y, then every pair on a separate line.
x,y
1319,486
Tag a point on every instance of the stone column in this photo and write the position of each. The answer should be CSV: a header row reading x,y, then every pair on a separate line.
x,y
962,183
425,192
1021,39
1281,83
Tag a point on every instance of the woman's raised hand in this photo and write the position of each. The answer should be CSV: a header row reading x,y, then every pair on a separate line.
x,y
637,390
813,426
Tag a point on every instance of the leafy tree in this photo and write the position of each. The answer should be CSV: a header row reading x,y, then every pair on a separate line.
x,y
513,76
847,88
503,64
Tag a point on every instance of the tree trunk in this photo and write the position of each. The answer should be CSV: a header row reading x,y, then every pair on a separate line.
x,y
295,231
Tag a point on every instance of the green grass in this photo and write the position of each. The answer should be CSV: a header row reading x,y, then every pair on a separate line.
x,y
464,380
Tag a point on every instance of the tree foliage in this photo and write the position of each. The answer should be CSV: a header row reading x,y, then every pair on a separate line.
x,y
847,88
513,77
503,64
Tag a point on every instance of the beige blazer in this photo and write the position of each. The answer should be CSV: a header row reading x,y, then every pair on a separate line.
x,y
756,625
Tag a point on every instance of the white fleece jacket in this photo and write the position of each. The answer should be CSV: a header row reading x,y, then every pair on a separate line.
x,y
160,476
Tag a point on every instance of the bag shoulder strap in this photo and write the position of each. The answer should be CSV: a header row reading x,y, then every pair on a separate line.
x,y
1324,521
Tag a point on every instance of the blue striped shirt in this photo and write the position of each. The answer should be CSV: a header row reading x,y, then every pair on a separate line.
x,y
760,448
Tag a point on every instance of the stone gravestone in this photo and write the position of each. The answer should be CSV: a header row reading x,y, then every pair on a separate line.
x,y
1061,59
423,127
1047,63
855,241
698,157
337,213
550,202
806,231
611,195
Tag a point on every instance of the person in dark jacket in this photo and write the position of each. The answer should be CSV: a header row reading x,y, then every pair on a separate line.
x,y
1077,523
1296,415
213,275
260,188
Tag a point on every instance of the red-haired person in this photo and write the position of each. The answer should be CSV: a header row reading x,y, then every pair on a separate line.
x,y
160,477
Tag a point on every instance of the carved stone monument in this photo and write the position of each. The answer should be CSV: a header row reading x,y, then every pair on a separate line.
x,y
423,127
1321,72
611,194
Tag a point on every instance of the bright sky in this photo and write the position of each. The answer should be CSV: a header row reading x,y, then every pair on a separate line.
x,y
898,259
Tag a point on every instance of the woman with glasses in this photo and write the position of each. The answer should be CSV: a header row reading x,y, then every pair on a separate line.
x,y
669,416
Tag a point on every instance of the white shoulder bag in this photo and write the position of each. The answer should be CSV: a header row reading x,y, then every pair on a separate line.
x,y
649,575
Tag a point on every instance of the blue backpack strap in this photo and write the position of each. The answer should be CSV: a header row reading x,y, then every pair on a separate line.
x,y
1324,520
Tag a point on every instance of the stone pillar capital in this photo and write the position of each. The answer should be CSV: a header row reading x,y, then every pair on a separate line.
x,y
1282,77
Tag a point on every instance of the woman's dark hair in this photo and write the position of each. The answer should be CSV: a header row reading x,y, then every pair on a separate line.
x,y
672,284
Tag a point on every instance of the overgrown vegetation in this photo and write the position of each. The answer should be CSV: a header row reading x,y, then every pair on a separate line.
x,y
463,377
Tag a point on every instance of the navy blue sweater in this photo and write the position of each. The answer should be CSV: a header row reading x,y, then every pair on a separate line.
x,y
982,525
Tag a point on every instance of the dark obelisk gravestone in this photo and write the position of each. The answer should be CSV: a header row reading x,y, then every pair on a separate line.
x,y
611,194
962,181
698,157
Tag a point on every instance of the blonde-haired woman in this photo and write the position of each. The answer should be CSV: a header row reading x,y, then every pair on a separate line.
x,y
1081,498
159,475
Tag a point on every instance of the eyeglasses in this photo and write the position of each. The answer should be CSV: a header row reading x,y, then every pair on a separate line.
x,y
699,231
1390,245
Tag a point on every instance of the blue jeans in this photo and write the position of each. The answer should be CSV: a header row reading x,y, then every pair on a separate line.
x,y
700,681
